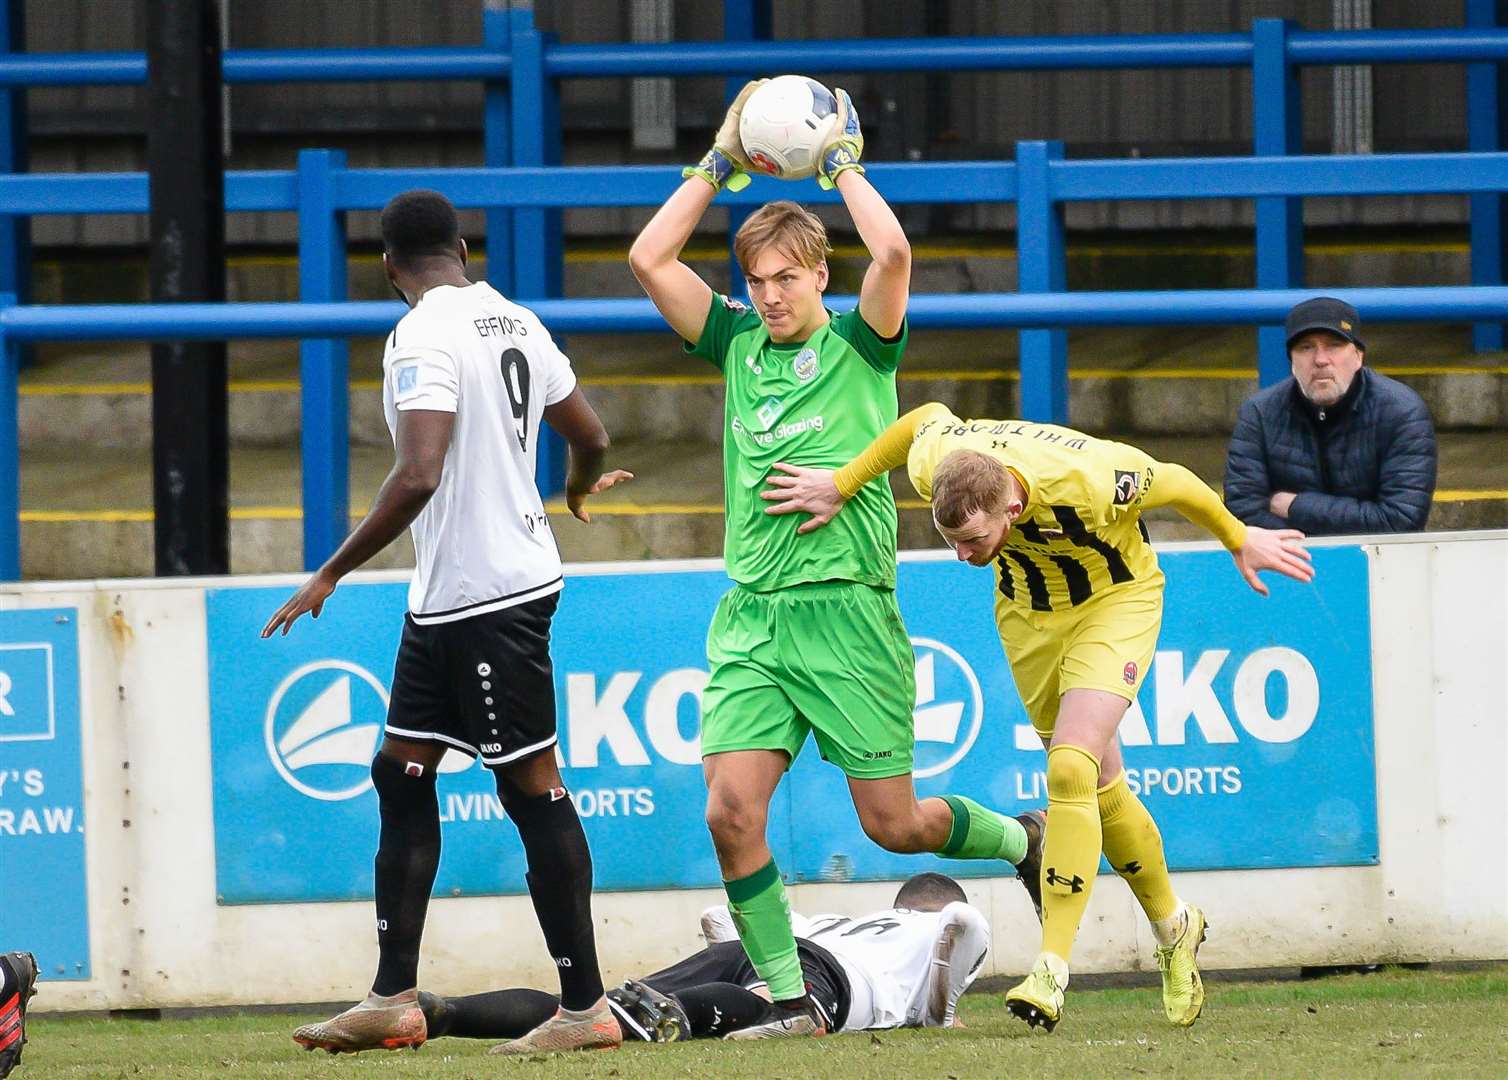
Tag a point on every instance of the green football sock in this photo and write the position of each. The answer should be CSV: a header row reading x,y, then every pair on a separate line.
x,y
981,833
762,915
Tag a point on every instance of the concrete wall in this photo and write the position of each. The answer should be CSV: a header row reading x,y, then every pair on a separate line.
x,y
1439,632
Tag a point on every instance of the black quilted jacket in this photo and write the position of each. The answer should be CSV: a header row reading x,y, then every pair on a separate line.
x,y
1365,465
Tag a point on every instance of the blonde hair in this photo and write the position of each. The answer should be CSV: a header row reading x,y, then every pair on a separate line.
x,y
792,229
967,481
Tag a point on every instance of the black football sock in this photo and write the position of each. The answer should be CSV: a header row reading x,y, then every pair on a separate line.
x,y
408,855
497,1014
715,1009
560,884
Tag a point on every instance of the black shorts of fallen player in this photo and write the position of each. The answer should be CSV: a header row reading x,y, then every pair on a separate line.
x,y
726,962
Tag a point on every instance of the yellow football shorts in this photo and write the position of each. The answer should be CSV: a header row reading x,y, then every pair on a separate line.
x,y
1106,643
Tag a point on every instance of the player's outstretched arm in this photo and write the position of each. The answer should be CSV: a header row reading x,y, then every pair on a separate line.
x,y
963,942
887,282
655,258
822,492
422,439
1273,549
578,423
1253,547
717,924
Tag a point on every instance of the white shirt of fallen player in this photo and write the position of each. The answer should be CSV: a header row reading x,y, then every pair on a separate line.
x,y
905,968
482,543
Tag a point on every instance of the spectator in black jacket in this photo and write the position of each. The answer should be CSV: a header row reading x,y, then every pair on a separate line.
x,y
1337,448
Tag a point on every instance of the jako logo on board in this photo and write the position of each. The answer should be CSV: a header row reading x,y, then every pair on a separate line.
x,y
949,707
322,728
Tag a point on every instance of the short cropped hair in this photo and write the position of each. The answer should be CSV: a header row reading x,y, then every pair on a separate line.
x,y
929,892
419,224
787,226
964,482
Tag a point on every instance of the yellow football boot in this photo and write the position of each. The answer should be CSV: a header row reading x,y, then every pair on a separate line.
x,y
1182,989
1038,998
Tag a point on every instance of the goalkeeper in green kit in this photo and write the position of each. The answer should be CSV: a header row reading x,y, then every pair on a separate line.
x,y
809,639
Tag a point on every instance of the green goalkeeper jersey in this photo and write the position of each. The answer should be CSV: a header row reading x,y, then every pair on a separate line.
x,y
817,403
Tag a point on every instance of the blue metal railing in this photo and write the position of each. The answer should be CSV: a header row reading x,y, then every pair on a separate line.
x,y
1039,181
931,311
682,59
248,66
523,195
519,66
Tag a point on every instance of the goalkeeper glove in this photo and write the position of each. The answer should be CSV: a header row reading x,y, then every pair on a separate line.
x,y
847,147
726,165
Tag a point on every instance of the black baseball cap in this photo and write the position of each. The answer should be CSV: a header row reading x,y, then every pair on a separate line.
x,y
1324,313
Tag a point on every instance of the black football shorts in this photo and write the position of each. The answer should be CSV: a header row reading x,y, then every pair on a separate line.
x,y
484,685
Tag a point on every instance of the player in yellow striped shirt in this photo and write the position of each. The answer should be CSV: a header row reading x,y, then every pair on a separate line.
x,y
1078,602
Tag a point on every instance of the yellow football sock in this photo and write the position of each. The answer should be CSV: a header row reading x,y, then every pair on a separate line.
x,y
1134,847
1071,855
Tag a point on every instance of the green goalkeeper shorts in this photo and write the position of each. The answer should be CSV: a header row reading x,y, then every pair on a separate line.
x,y
830,658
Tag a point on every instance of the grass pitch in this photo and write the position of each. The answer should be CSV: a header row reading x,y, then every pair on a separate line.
x,y
1393,1023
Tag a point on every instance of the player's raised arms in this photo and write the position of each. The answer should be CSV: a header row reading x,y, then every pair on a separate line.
x,y
887,282
676,289
655,258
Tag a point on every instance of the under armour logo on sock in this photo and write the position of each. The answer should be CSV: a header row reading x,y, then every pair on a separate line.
x,y
558,793
1074,884
413,768
1131,868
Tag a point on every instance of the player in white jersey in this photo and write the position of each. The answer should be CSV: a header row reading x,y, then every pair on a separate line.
x,y
468,376
905,966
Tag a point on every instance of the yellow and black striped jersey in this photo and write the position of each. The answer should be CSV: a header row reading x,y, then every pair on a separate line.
x,y
1080,532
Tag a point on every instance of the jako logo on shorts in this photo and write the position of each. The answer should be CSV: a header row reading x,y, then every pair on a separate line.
x,y
949,707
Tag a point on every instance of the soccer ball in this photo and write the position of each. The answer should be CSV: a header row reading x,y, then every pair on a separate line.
x,y
785,125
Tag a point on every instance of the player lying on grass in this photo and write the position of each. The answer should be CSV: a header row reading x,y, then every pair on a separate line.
x,y
1078,603
905,966
809,640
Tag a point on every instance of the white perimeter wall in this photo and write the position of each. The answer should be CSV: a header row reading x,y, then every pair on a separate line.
x,y
158,938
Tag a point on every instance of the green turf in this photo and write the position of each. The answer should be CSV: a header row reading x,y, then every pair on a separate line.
x,y
1394,1023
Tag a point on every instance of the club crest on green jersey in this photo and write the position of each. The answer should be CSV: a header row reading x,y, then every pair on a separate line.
x,y
768,411
805,365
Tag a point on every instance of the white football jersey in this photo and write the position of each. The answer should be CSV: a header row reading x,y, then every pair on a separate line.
x,y
905,968
483,542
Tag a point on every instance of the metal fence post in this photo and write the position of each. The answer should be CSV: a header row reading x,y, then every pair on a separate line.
x,y
537,255
15,231
1276,132
1041,266
10,455
497,146
323,362
1486,113
743,20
